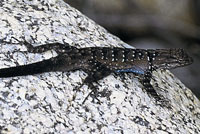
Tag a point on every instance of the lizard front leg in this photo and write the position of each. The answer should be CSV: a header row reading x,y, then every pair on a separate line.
x,y
146,79
150,90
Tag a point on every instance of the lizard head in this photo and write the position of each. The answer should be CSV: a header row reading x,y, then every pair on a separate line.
x,y
171,58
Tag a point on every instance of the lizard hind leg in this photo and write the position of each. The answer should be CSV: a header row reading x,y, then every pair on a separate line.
x,y
58,47
94,75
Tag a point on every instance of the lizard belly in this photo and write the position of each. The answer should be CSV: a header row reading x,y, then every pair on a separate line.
x,y
135,69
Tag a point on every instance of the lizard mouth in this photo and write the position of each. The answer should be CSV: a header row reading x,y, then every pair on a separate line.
x,y
186,61
182,58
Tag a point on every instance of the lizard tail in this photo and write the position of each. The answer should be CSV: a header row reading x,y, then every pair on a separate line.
x,y
30,69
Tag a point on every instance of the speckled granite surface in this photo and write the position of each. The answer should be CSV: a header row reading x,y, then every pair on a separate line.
x,y
49,103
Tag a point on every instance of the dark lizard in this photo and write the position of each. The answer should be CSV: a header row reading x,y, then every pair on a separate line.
x,y
99,62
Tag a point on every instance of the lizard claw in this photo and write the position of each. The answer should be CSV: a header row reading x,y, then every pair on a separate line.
x,y
94,94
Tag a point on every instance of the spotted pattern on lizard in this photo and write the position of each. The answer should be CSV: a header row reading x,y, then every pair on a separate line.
x,y
100,62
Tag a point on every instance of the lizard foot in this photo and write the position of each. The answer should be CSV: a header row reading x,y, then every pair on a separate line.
x,y
94,94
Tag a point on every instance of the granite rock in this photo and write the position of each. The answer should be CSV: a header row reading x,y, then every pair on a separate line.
x,y
50,103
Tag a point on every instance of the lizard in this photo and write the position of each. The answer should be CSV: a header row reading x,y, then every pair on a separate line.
x,y
99,62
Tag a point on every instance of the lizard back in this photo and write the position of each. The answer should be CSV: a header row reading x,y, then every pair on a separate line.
x,y
139,60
